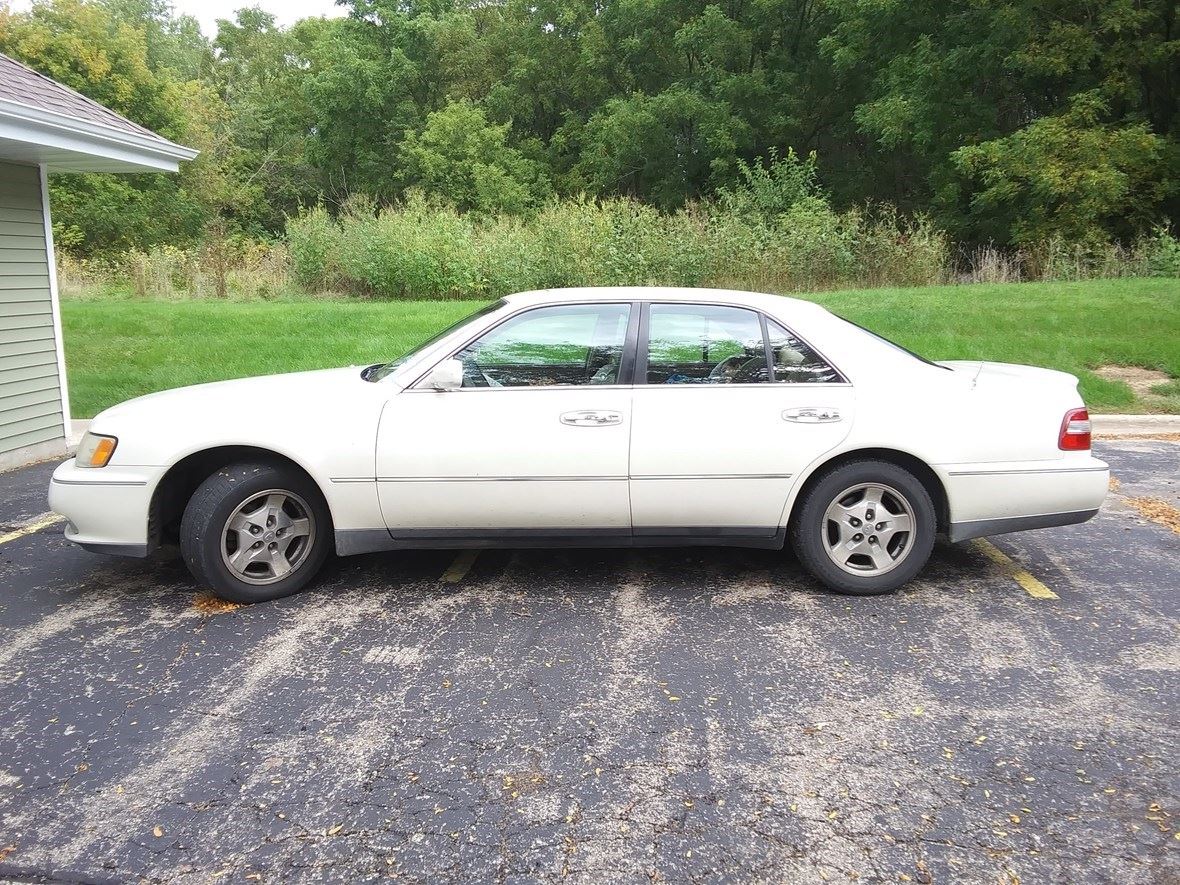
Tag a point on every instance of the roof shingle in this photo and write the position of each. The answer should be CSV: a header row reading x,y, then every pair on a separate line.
x,y
21,84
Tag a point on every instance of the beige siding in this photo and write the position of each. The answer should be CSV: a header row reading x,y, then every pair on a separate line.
x,y
30,395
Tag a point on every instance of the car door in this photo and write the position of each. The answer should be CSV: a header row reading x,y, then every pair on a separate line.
x,y
533,444
729,407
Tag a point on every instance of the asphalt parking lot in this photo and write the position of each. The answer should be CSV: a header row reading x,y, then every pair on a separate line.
x,y
599,715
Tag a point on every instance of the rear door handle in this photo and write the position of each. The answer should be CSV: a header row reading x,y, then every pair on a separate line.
x,y
812,415
591,418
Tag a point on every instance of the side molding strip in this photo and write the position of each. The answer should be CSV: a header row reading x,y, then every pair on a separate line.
x,y
1047,471
354,541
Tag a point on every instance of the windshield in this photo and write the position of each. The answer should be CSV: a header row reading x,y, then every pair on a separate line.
x,y
384,370
893,344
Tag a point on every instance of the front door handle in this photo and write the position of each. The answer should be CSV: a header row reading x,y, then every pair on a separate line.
x,y
812,415
591,418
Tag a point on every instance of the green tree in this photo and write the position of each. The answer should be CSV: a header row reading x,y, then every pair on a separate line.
x,y
84,46
260,140
1065,176
464,159
930,78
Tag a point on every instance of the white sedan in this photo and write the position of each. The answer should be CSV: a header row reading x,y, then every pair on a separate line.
x,y
593,417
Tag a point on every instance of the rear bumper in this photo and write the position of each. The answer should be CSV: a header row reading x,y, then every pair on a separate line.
x,y
992,499
980,528
106,510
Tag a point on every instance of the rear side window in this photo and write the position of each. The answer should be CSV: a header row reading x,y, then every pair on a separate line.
x,y
705,344
794,360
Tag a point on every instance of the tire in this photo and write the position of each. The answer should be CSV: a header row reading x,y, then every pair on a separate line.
x,y
241,564
831,516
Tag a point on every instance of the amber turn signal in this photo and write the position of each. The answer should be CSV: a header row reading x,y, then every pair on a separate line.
x,y
95,450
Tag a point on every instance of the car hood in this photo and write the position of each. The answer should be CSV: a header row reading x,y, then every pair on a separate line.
x,y
324,420
255,394
223,408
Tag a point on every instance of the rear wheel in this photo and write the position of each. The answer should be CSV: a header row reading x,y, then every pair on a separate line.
x,y
865,528
255,531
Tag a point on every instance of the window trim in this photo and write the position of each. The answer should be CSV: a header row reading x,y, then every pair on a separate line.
x,y
641,361
629,335
633,362
769,319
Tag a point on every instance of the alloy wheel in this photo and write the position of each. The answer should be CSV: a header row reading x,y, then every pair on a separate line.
x,y
267,536
867,529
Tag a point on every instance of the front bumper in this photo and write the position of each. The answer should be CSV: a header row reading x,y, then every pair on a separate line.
x,y
106,509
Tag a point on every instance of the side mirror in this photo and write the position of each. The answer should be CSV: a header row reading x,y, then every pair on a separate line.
x,y
447,375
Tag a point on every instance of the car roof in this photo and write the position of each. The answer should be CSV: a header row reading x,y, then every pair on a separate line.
x,y
760,300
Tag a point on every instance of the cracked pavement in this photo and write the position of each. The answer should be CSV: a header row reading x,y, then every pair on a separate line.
x,y
599,715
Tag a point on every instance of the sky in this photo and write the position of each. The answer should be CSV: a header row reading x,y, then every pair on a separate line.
x,y
287,12
207,12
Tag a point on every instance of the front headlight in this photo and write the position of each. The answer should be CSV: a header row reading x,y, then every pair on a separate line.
x,y
95,450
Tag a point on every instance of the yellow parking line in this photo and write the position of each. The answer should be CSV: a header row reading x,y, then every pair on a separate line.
x,y
460,567
28,528
1021,576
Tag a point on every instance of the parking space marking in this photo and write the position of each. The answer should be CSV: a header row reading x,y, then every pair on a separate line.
x,y
1020,575
458,569
41,522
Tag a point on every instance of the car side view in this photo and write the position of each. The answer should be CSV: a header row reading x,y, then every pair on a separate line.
x,y
593,417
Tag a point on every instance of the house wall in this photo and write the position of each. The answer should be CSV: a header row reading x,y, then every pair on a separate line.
x,y
32,416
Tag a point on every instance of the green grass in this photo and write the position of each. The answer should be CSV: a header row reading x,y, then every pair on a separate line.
x,y
117,350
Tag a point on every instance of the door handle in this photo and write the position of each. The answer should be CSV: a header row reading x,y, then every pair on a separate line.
x,y
812,415
591,418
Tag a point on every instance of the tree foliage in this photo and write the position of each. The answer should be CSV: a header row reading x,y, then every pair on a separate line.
x,y
1010,121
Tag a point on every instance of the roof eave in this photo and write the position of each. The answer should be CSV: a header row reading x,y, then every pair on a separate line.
x,y
122,151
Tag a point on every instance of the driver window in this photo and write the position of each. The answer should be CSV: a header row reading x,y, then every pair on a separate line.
x,y
563,345
705,344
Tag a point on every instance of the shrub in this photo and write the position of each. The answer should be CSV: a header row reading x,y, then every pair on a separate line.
x,y
412,251
769,188
313,240
895,250
1160,254
419,249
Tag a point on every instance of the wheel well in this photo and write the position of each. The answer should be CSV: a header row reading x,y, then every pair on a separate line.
x,y
176,487
904,460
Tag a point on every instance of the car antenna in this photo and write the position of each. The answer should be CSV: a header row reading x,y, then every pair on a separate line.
x,y
977,373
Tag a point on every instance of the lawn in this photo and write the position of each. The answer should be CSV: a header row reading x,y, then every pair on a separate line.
x,y
119,349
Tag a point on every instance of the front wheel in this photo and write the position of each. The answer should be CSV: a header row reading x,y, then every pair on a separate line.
x,y
255,531
865,528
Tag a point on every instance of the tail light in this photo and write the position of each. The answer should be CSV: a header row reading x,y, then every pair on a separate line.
x,y
1075,431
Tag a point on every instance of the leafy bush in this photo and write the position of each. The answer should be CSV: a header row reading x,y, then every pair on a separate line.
x,y
775,232
1160,254
313,239
768,189
412,251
